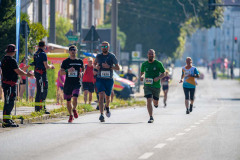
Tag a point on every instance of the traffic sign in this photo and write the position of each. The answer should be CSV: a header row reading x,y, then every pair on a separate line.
x,y
135,54
72,38
92,35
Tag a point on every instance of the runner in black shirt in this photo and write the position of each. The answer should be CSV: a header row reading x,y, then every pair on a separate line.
x,y
10,72
72,67
41,65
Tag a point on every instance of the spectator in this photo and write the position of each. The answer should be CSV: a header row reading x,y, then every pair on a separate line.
x,y
24,67
130,76
31,87
60,84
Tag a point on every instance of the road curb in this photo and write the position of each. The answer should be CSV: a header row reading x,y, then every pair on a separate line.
x,y
38,119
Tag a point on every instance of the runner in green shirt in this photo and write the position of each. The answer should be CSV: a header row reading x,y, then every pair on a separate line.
x,y
153,71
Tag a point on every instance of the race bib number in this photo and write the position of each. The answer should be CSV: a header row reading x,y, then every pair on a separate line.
x,y
165,83
72,74
105,74
148,81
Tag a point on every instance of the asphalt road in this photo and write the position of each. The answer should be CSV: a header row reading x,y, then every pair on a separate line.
x,y
210,132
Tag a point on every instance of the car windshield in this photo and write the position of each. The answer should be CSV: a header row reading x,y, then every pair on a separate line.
x,y
115,75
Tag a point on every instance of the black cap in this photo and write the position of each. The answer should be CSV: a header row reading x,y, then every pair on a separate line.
x,y
11,48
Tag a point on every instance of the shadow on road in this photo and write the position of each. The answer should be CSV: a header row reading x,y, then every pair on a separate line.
x,y
229,99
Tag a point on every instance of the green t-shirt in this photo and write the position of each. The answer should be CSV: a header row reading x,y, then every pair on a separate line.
x,y
152,70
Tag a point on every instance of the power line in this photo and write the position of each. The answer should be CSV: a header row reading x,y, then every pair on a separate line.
x,y
183,8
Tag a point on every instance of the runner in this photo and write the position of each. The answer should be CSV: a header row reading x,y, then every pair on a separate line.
x,y
88,81
165,80
60,84
105,63
72,68
40,72
189,73
153,71
10,72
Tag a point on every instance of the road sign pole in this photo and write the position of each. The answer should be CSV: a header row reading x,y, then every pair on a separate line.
x,y
26,56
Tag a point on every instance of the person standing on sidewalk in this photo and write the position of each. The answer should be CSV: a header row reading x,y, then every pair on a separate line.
x,y
60,84
24,67
72,67
10,72
165,85
189,73
40,72
88,81
153,71
105,63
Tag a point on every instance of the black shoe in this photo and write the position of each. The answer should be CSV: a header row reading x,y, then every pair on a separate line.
x,y
108,113
191,106
9,123
156,106
46,112
37,109
187,111
101,118
151,120
97,107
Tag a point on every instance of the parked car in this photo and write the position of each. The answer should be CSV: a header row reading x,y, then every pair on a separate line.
x,y
123,88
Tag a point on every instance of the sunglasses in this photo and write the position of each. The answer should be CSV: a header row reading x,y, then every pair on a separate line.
x,y
72,49
104,46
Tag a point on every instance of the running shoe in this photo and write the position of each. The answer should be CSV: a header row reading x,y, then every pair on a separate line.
x,y
97,108
165,105
70,119
151,120
101,118
9,123
75,113
108,113
156,106
187,111
191,106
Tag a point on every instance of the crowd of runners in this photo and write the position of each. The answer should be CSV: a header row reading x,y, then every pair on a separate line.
x,y
96,75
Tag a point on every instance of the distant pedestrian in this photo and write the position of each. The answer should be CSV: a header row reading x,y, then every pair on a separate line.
x,y
165,86
130,76
60,85
72,67
88,81
31,87
40,72
152,70
24,67
189,75
10,72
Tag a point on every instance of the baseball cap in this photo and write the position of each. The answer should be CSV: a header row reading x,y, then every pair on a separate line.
x,y
11,48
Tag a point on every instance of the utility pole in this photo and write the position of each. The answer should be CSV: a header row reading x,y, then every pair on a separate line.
x,y
232,67
90,15
26,56
40,11
75,16
80,20
114,21
52,37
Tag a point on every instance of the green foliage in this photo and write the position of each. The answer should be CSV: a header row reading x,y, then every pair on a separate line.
x,y
51,83
163,25
37,33
7,24
63,25
121,36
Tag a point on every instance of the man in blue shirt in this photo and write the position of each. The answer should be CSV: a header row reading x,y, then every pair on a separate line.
x,y
41,65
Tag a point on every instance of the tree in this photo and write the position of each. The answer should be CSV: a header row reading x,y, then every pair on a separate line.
x,y
63,25
7,24
164,25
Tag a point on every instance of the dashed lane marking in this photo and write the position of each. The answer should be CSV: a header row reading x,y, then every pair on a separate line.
x,y
180,134
196,123
188,129
146,155
171,139
193,126
160,145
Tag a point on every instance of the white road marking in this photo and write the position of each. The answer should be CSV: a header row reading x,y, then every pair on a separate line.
x,y
188,129
171,139
180,134
146,155
193,126
201,120
160,145
196,123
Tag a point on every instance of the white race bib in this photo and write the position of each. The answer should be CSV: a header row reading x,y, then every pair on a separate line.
x,y
148,81
165,83
105,74
72,74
